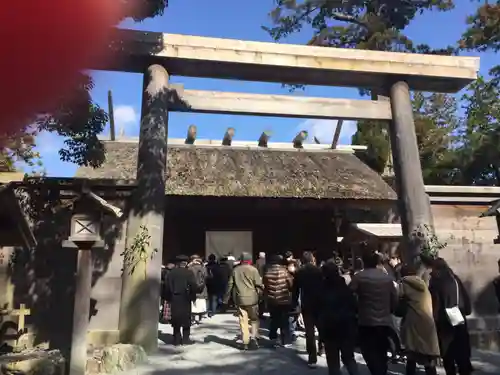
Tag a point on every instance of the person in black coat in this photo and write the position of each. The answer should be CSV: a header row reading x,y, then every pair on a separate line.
x,y
215,289
337,320
293,267
180,291
448,291
225,272
260,264
377,301
308,286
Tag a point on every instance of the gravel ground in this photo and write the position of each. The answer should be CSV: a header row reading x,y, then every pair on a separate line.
x,y
215,351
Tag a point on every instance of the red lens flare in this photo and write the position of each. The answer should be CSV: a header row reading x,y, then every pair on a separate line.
x,y
45,44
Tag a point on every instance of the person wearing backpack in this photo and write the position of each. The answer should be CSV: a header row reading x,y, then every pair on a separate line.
x,y
337,323
199,307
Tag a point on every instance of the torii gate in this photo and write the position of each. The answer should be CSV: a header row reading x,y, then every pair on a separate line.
x,y
389,74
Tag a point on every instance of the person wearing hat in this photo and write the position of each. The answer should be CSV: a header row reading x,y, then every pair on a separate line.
x,y
245,286
180,291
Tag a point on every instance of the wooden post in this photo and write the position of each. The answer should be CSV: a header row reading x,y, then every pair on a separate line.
x,y
81,311
414,205
111,114
138,323
336,135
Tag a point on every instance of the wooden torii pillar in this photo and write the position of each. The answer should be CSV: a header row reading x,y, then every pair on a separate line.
x,y
414,205
139,307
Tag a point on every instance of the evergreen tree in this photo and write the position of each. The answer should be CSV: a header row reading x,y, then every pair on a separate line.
x,y
436,124
374,135
479,154
483,31
363,24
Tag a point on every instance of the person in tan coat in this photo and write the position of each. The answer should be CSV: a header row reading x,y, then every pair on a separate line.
x,y
245,287
418,330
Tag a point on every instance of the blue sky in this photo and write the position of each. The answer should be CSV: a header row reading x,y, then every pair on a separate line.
x,y
237,20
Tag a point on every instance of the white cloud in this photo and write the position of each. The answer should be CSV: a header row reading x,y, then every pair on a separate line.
x,y
126,118
323,130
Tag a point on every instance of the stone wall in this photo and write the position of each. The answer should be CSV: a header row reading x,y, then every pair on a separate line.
x,y
470,250
473,255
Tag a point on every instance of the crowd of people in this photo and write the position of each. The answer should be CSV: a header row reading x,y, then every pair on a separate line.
x,y
389,310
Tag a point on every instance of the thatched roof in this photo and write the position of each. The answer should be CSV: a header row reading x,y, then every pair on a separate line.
x,y
244,172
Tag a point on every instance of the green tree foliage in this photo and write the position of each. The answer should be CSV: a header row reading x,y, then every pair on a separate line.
x,y
375,136
18,146
363,24
436,124
483,31
77,117
479,154
80,120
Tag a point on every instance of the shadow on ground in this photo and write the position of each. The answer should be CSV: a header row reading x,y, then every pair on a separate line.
x,y
216,352
166,338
